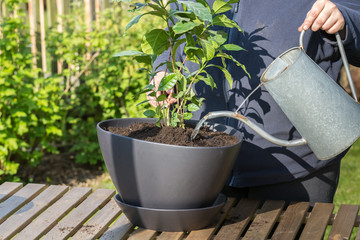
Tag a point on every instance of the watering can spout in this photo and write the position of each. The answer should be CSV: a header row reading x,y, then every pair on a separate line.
x,y
326,117
257,129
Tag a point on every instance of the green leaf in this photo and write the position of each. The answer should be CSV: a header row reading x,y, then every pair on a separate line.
x,y
198,9
224,55
161,11
205,3
53,130
142,102
183,15
224,21
193,52
188,116
208,48
181,27
137,7
192,107
226,73
155,42
147,59
129,53
19,114
11,143
150,113
161,98
220,37
221,6
133,21
209,81
231,47
168,82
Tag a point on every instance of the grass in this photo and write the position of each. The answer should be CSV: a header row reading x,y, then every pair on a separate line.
x,y
348,191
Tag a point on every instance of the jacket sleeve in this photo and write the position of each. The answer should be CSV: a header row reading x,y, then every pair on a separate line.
x,y
351,12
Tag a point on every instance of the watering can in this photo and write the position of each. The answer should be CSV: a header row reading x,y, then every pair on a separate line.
x,y
326,117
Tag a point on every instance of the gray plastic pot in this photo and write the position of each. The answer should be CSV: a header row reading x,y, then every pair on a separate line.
x,y
163,176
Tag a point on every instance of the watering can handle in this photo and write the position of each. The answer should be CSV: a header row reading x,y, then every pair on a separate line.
x,y
343,57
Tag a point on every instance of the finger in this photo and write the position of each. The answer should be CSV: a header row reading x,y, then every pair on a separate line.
x,y
335,28
322,18
312,15
335,23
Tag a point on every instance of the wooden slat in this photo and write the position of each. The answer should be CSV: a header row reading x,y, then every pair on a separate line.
x,y
98,224
8,188
143,234
344,221
171,236
317,222
23,216
19,199
239,218
75,219
264,221
49,218
208,232
291,221
119,230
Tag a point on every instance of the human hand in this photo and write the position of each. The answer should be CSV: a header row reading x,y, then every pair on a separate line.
x,y
156,81
323,15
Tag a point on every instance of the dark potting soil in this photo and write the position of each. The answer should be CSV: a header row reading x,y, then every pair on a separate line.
x,y
174,136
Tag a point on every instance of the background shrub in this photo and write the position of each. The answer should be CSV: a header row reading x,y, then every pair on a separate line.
x,y
29,103
59,113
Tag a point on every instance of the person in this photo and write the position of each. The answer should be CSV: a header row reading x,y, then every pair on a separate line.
x,y
264,170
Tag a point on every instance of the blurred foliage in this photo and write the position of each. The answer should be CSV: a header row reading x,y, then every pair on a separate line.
x,y
59,113
29,104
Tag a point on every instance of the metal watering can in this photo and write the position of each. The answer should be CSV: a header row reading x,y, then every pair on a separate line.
x,y
327,118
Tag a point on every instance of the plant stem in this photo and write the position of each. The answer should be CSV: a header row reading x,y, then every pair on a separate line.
x,y
189,87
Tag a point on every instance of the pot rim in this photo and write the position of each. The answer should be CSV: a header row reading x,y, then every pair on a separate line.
x,y
165,144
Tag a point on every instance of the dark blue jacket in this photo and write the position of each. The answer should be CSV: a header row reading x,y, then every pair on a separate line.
x,y
270,28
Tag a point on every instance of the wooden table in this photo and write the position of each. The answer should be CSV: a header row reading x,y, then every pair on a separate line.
x,y
57,212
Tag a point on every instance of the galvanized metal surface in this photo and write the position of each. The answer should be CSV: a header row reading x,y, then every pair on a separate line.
x,y
323,113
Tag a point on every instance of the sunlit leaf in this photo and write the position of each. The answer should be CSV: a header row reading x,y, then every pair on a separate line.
x,y
200,10
129,53
188,116
168,82
209,50
231,47
155,42
181,27
221,6
192,107
224,21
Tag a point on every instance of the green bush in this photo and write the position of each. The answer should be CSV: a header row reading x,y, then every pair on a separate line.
x,y
98,87
29,104
59,113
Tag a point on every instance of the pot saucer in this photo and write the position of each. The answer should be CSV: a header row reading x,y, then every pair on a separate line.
x,y
172,220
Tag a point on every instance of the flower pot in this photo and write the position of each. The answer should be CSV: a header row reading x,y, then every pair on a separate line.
x,y
163,176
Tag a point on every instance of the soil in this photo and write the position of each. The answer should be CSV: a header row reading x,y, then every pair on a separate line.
x,y
174,136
